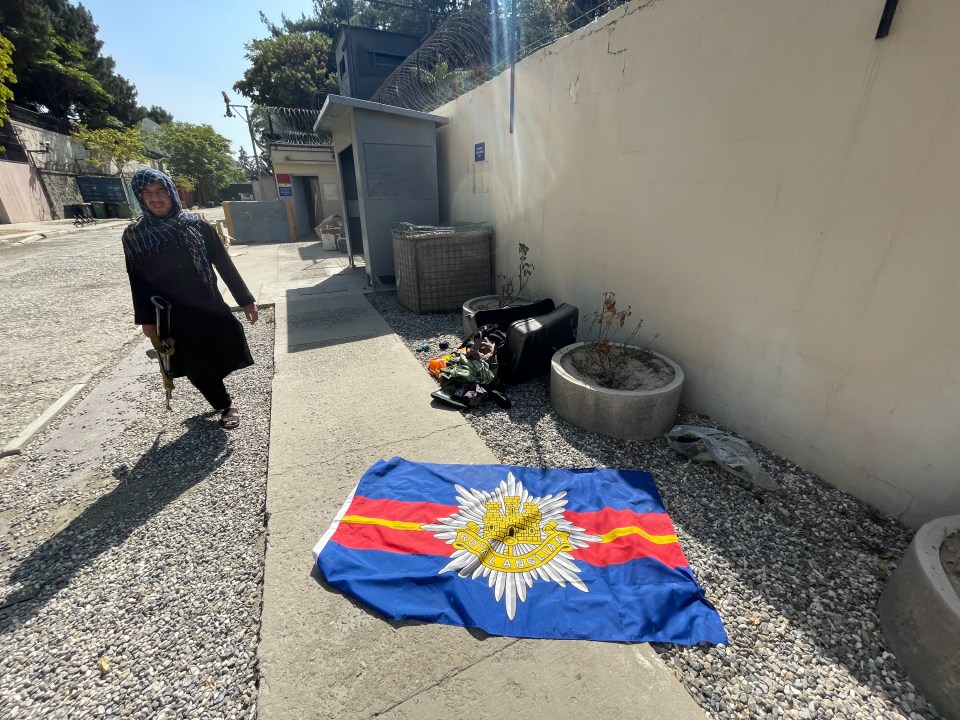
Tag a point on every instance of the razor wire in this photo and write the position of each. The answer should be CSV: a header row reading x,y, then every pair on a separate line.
x,y
471,47
288,126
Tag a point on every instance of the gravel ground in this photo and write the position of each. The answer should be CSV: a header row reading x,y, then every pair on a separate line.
x,y
131,569
796,575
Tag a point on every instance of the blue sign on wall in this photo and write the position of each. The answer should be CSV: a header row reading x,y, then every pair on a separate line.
x,y
479,152
285,191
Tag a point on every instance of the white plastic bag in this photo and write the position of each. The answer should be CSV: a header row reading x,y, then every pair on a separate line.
x,y
705,444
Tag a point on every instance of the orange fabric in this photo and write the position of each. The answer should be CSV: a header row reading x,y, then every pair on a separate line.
x,y
436,364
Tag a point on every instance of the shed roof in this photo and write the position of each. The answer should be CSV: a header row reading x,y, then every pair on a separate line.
x,y
336,107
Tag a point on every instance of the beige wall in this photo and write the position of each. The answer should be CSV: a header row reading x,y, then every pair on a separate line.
x,y
776,193
22,198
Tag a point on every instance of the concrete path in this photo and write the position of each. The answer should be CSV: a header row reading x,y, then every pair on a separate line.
x,y
322,655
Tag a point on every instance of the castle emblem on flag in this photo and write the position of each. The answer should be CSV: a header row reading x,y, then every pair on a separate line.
x,y
512,539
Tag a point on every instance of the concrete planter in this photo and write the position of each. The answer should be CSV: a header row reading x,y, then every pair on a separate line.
x,y
625,414
484,302
920,615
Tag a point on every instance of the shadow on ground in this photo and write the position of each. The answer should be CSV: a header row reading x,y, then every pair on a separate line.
x,y
164,473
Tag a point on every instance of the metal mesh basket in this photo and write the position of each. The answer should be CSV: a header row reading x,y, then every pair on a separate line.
x,y
439,268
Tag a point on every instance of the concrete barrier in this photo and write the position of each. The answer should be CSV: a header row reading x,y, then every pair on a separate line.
x,y
268,221
920,615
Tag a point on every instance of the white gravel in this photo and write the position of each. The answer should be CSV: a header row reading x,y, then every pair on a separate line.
x,y
795,575
131,570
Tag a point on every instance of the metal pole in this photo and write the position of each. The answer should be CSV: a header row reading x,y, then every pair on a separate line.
x,y
886,19
253,144
513,55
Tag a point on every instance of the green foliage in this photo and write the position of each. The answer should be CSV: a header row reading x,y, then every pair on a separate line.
x,y
288,70
198,154
540,22
419,18
7,78
247,168
56,46
158,115
605,356
507,291
184,182
110,144
59,66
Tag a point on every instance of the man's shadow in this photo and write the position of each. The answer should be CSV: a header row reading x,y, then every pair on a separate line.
x,y
159,477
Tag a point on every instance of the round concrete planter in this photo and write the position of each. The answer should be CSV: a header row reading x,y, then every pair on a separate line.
x,y
920,616
485,302
624,414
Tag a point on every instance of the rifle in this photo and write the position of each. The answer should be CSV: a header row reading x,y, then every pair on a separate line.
x,y
164,344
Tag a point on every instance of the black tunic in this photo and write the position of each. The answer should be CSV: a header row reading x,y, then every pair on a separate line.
x,y
208,338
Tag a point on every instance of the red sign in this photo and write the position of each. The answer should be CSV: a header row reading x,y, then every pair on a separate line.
x,y
283,179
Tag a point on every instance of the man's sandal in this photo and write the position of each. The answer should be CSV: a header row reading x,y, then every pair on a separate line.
x,y
230,418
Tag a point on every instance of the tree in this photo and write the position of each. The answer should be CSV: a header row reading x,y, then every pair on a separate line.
x,y
198,154
7,78
402,16
60,68
109,144
158,115
288,70
247,168
540,22
120,108
55,45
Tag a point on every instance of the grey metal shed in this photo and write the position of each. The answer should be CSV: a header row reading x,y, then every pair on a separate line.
x,y
387,163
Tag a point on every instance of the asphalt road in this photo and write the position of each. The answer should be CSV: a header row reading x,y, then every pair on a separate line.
x,y
64,312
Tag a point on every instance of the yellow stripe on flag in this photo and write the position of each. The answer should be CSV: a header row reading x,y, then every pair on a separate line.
x,y
607,537
634,530
395,524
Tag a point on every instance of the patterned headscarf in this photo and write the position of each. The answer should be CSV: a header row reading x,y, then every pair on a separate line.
x,y
151,233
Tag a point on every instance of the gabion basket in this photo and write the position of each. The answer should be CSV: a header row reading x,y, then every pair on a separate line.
x,y
439,268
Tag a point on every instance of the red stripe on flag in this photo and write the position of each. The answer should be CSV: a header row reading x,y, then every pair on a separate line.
x,y
419,512
631,546
378,537
603,521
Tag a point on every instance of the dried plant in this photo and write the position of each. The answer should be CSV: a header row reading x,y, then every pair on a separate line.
x,y
605,356
505,284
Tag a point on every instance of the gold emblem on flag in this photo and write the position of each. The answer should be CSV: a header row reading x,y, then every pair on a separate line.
x,y
512,539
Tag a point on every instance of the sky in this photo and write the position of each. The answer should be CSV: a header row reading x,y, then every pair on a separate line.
x,y
180,54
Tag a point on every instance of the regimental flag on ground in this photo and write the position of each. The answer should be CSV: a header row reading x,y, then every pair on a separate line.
x,y
525,552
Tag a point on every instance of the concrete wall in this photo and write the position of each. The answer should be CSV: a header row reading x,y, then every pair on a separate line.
x,y
777,193
260,222
63,149
59,167
62,190
22,198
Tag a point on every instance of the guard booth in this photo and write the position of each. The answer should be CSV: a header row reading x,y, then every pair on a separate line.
x,y
387,166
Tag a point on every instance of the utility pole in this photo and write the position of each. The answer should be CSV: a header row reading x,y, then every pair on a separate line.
x,y
253,143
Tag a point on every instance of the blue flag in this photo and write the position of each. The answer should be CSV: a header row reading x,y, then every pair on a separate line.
x,y
587,554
